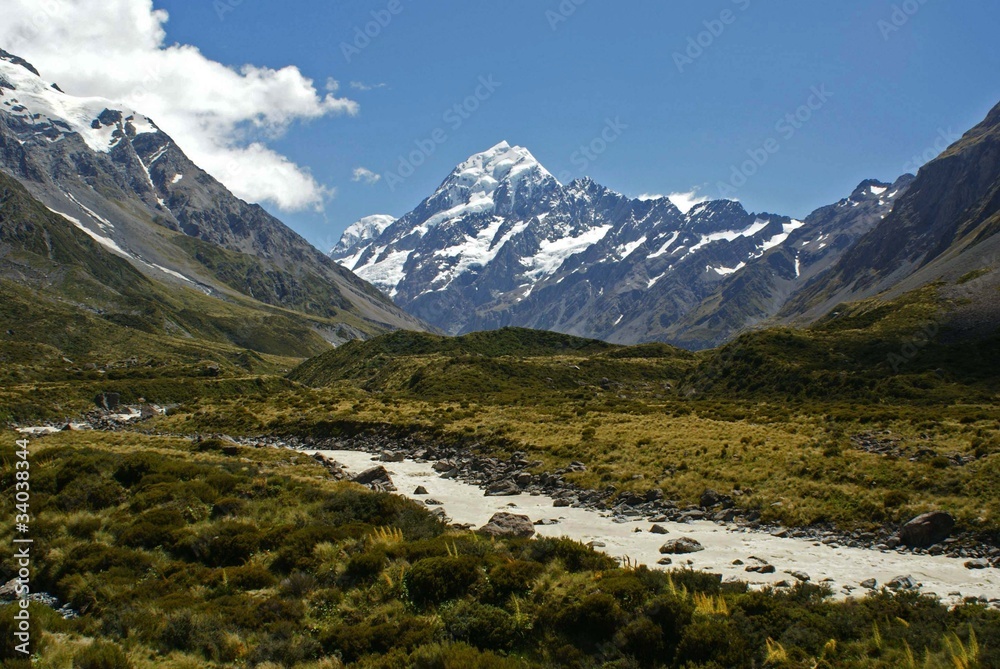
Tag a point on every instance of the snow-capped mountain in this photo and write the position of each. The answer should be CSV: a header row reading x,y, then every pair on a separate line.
x,y
501,242
111,172
360,232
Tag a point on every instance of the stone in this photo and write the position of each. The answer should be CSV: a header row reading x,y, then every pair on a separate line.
x,y
524,479
977,564
505,524
710,498
927,529
798,575
389,456
503,489
761,568
420,490
377,477
561,502
433,502
659,529
902,583
869,584
681,546
597,544
443,466
664,561
108,401
547,521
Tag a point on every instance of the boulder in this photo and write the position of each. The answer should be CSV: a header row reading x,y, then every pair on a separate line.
x,y
902,583
420,490
505,524
561,502
681,546
503,489
798,575
376,477
869,584
659,529
977,564
709,498
389,456
108,401
928,529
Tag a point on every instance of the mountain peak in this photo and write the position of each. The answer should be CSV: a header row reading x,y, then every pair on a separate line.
x,y
360,232
499,162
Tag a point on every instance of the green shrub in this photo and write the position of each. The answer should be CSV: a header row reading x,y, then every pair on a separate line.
x,y
591,621
486,627
225,544
250,577
364,568
227,507
513,578
436,580
101,655
575,557
717,641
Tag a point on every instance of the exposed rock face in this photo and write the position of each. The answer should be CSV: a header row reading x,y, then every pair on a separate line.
x,y
928,529
505,524
112,172
681,546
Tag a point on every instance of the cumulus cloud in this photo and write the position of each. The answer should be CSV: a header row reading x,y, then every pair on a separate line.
x,y
687,201
222,117
366,175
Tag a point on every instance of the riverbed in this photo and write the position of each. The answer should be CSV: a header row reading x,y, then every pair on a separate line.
x,y
728,549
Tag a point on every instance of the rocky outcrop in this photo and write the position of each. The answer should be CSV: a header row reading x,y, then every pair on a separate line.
x,y
681,546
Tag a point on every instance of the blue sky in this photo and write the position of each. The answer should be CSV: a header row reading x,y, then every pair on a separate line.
x,y
895,78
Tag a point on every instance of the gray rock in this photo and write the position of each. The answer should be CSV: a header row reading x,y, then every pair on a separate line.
x,y
902,583
928,529
389,456
376,477
659,529
977,564
664,561
761,568
869,584
420,490
561,502
505,524
681,546
433,502
108,401
503,489
799,575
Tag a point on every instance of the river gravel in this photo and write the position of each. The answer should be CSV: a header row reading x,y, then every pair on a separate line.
x,y
845,568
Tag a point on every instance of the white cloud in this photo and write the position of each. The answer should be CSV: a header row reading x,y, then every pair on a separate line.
x,y
222,117
362,86
650,196
366,175
687,201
